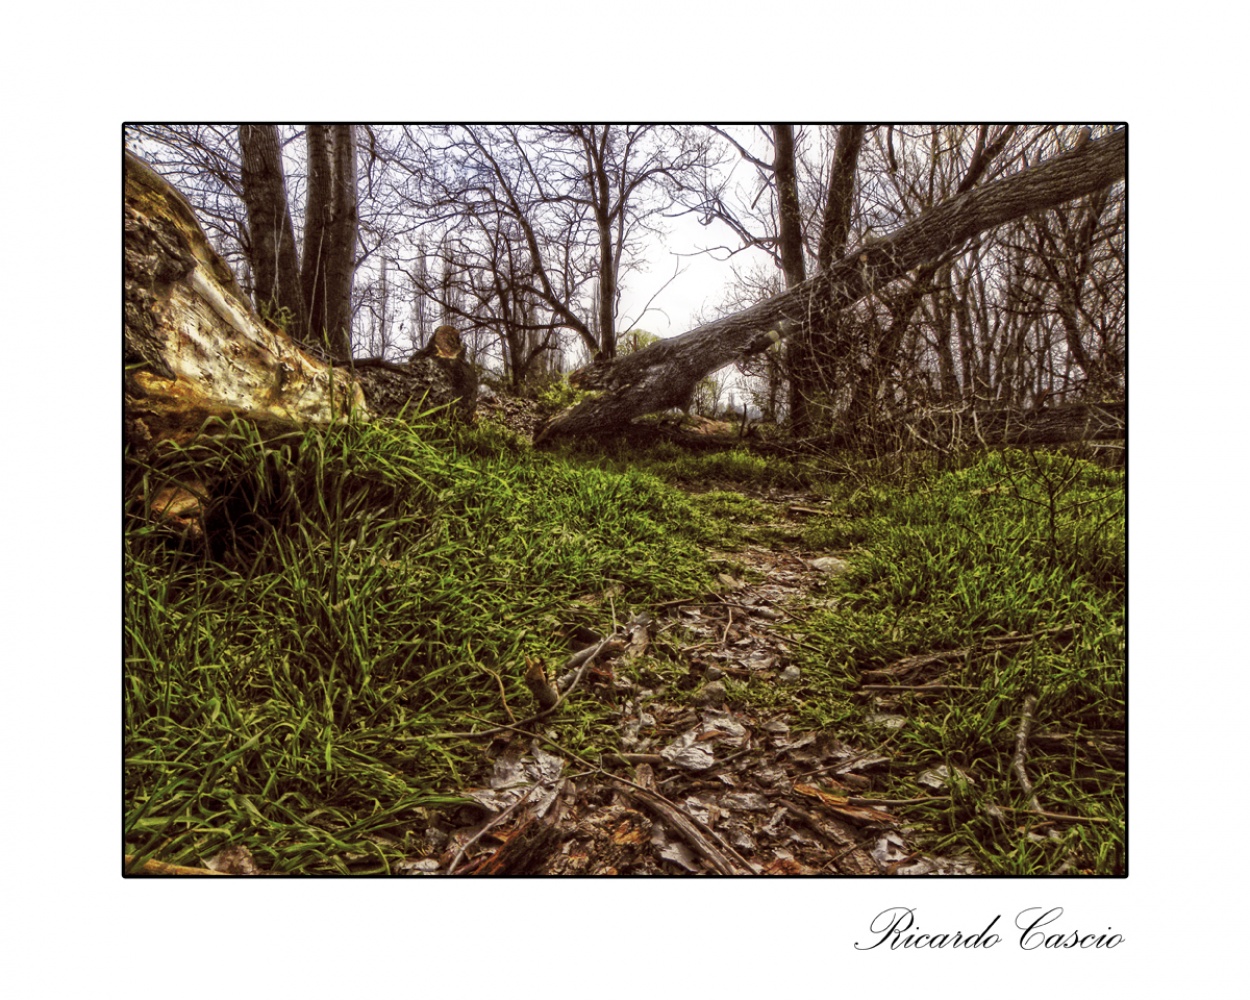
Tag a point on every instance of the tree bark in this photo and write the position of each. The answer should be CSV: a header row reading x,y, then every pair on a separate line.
x,y
836,225
813,352
193,348
790,248
271,251
330,238
663,375
601,197
789,215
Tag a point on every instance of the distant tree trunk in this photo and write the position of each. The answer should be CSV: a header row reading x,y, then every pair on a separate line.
x,y
601,196
330,237
790,248
271,252
666,373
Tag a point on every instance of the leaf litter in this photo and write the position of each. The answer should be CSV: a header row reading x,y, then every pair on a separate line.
x,y
715,788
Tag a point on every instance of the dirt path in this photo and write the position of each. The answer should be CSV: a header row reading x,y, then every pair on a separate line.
x,y
705,780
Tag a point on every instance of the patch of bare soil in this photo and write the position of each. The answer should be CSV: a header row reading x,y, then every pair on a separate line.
x,y
701,785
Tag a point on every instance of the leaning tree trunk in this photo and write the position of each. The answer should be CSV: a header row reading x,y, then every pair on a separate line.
x,y
665,374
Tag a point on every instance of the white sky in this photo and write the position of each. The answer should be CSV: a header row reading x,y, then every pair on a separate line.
x,y
701,285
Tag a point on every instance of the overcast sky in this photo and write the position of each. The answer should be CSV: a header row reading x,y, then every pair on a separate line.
x,y
701,285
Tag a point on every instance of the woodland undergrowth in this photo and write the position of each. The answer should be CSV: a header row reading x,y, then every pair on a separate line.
x,y
360,590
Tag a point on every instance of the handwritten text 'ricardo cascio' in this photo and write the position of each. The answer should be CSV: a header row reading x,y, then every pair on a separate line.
x,y
1038,928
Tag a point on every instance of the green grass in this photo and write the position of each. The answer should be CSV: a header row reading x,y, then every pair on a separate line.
x,y
364,586
1017,542
696,470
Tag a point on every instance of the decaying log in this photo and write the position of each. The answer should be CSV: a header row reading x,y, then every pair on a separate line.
x,y
195,349
666,373
437,375
1068,422
972,426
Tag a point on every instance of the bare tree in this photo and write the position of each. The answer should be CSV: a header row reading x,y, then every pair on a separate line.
x,y
557,211
664,374
271,236
330,233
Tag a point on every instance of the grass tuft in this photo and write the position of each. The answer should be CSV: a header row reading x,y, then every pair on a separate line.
x,y
360,586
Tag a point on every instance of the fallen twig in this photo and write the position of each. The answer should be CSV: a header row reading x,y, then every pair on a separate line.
x,y
503,695
700,836
910,665
154,867
687,825
1022,745
451,869
584,656
860,801
637,758
1058,817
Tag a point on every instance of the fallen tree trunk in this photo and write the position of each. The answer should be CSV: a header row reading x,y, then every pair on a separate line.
x,y
947,429
194,349
970,427
666,373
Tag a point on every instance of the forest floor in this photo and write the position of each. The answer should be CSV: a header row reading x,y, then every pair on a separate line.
x,y
397,649
719,784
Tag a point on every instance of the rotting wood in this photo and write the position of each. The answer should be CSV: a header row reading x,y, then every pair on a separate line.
x,y
194,349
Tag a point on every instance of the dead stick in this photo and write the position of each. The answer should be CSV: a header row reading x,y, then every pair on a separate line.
x,y
860,801
1058,817
153,867
451,870
675,817
469,735
685,822
917,687
637,758
1022,746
